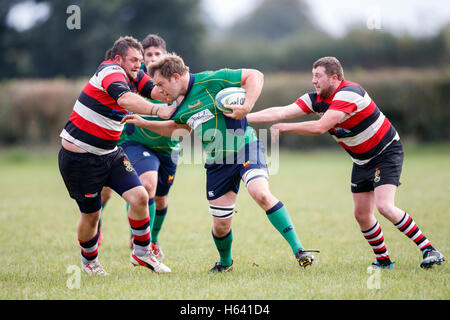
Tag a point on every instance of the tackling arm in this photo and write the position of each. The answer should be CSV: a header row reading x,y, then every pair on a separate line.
x,y
309,128
275,114
165,128
137,104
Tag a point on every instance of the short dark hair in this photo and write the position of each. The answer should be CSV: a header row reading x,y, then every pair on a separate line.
x,y
331,65
153,40
121,47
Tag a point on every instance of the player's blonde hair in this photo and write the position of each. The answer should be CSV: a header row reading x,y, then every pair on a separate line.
x,y
168,65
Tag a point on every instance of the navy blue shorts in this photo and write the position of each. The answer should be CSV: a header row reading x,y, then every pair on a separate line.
x,y
145,159
222,178
85,174
385,168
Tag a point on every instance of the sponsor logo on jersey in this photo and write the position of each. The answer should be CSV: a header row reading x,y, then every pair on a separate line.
x,y
200,117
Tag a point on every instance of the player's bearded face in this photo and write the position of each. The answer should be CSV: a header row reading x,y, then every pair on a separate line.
x,y
171,87
131,63
322,82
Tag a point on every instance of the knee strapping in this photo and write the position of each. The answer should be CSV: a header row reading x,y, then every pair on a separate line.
x,y
221,212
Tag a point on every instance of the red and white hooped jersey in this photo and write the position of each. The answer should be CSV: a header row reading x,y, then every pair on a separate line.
x,y
365,131
94,124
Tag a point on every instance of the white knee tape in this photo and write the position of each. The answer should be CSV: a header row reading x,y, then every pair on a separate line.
x,y
221,212
255,173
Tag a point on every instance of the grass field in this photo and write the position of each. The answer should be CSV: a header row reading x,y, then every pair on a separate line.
x,y
39,242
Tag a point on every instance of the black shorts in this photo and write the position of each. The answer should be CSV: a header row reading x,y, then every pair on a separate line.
x,y
85,174
385,168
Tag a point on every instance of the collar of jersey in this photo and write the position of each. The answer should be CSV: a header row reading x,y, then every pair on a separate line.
x,y
191,83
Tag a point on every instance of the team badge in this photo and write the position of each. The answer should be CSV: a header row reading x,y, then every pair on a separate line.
x,y
246,164
127,164
377,175
195,105
170,179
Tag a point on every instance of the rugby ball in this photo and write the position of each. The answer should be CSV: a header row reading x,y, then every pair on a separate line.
x,y
229,96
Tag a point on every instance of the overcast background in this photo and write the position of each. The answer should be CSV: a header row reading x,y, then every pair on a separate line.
x,y
415,17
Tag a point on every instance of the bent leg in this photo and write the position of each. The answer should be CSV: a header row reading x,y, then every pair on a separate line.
x,y
276,212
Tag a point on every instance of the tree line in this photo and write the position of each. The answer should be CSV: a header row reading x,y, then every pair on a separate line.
x,y
279,35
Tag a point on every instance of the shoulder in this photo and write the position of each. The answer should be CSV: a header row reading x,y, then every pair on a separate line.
x,y
107,68
351,87
225,75
306,102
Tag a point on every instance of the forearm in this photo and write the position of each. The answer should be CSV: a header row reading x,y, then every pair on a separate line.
x,y
306,128
137,104
253,81
269,115
166,128
275,114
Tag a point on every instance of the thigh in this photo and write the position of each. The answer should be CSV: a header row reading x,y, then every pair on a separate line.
x,y
362,180
142,158
166,174
221,179
122,176
389,166
84,175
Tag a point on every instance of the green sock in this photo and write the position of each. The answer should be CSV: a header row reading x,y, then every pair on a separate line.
x,y
151,212
160,215
280,219
223,245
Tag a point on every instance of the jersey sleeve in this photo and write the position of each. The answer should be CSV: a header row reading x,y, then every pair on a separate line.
x,y
114,81
144,84
346,101
305,103
232,77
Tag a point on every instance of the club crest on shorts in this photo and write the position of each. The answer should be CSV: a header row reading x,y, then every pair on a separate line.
x,y
170,179
377,175
127,164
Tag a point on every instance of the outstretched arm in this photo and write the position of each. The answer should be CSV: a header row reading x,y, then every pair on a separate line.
x,y
137,104
165,128
309,128
275,114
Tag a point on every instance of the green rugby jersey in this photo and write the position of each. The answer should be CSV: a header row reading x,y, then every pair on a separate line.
x,y
220,136
149,138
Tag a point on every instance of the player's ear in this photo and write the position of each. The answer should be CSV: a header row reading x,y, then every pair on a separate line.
x,y
176,76
118,59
